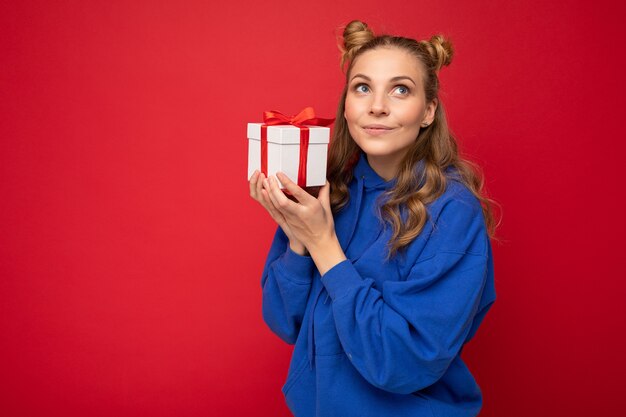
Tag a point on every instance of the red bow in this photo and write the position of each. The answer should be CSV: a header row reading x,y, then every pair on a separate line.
x,y
305,117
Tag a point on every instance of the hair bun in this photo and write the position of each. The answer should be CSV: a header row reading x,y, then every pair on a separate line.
x,y
440,50
355,35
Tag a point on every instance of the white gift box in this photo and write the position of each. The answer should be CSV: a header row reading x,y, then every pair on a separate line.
x,y
283,152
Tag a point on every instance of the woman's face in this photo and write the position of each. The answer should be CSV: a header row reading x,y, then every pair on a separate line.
x,y
385,106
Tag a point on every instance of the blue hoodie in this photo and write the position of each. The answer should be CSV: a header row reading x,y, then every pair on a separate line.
x,y
383,337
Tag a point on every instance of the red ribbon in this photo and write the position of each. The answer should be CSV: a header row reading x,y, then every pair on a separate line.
x,y
305,117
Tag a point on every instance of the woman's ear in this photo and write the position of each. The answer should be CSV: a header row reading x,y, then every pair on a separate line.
x,y
429,115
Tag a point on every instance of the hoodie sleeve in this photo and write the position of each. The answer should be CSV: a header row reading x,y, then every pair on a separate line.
x,y
286,283
402,337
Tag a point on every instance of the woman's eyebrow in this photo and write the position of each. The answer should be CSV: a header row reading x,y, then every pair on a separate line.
x,y
393,80
403,77
361,76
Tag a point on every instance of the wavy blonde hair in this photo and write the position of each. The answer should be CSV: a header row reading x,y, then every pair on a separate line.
x,y
404,206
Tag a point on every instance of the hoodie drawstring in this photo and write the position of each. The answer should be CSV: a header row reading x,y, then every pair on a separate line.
x,y
310,341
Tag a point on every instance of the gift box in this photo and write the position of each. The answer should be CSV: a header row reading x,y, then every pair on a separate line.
x,y
291,146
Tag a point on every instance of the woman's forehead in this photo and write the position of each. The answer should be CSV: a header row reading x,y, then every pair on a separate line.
x,y
386,63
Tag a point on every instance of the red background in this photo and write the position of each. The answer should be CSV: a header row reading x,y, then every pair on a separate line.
x,y
131,254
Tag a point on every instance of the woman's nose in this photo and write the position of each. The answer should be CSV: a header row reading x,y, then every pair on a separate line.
x,y
378,106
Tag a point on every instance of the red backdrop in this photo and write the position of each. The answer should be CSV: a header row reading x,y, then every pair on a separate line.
x,y
131,254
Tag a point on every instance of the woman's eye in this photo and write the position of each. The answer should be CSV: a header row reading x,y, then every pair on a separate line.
x,y
362,88
402,90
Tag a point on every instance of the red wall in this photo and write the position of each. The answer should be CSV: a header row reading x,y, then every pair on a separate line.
x,y
131,254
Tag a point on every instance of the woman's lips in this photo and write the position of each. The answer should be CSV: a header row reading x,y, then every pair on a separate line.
x,y
377,130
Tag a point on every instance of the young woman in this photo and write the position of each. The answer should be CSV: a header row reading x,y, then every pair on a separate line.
x,y
383,278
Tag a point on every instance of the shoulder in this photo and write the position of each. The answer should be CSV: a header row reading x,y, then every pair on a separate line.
x,y
458,198
456,222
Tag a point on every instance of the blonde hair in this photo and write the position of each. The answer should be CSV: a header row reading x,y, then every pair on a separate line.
x,y
404,206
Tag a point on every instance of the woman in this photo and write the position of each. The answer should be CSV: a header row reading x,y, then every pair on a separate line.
x,y
381,280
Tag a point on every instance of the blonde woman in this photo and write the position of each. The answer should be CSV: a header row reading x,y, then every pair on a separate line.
x,y
383,278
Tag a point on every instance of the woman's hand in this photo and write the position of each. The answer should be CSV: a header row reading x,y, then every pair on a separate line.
x,y
310,220
259,194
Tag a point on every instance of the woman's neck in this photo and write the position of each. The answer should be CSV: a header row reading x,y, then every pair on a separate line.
x,y
385,166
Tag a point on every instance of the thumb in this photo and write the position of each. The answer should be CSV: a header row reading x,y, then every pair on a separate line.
x,y
324,196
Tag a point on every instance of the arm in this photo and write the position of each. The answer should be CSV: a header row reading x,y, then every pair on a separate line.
x,y
287,275
403,338
286,283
